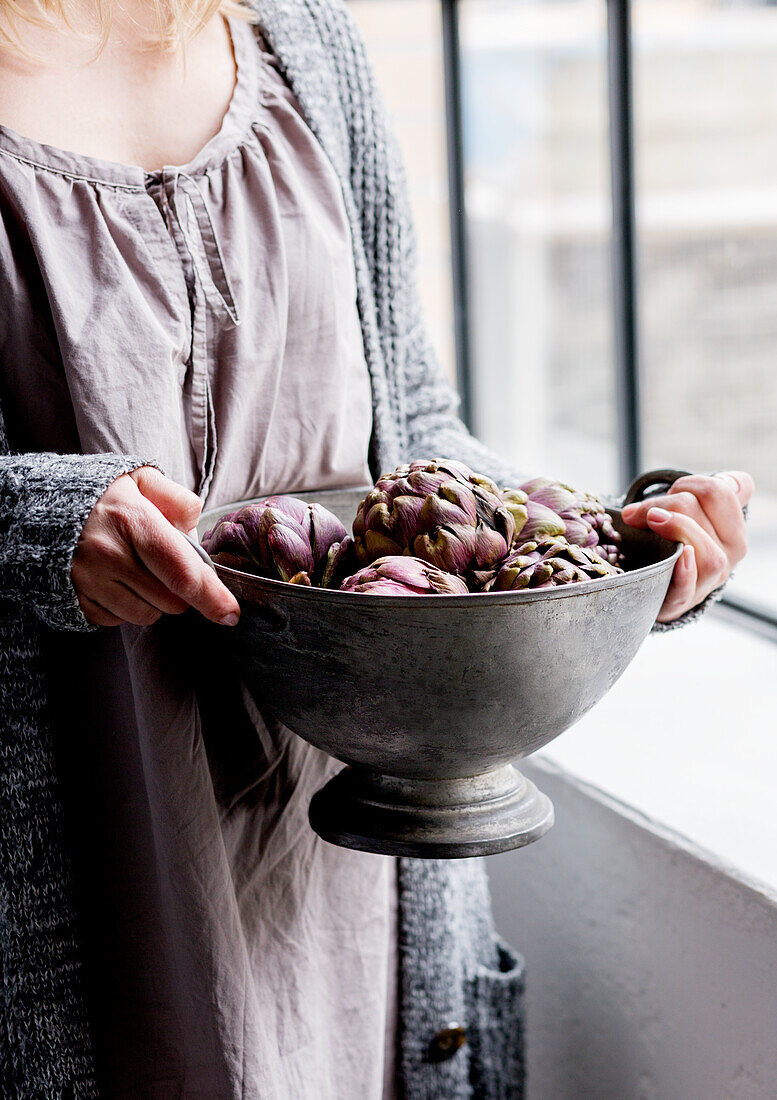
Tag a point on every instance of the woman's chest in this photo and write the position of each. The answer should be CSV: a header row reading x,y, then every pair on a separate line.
x,y
203,317
127,103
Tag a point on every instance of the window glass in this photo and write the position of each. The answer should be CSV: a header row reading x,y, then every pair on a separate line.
x,y
706,155
538,218
404,42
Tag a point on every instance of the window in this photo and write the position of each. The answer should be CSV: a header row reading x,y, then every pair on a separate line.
x,y
559,373
537,190
707,217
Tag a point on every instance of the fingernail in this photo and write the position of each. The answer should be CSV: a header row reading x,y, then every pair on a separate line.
x,y
689,554
232,619
660,515
629,508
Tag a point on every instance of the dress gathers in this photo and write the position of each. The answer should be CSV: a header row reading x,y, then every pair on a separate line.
x,y
205,315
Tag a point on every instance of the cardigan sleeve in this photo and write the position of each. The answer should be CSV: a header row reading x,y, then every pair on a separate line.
x,y
428,402
410,388
45,500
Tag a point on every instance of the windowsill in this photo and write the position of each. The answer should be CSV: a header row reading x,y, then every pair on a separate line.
x,y
688,737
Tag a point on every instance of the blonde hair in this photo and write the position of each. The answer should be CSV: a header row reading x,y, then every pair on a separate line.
x,y
176,20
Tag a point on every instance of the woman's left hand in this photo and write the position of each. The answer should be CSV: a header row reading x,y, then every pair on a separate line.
x,y
705,513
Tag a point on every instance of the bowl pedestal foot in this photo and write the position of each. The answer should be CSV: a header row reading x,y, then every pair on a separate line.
x,y
431,818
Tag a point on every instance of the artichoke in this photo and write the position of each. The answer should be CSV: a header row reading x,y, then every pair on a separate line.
x,y
552,509
548,562
282,537
404,576
438,511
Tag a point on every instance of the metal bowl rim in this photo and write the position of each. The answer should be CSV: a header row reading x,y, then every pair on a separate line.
x,y
532,595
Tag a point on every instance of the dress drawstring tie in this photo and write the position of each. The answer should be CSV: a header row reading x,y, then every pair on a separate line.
x,y
205,253
195,236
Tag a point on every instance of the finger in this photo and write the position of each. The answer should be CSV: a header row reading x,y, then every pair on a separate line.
x,y
742,483
97,615
137,578
683,588
718,498
712,564
682,502
176,503
128,605
120,601
636,514
167,554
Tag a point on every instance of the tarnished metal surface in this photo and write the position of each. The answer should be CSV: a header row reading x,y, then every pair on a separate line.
x,y
437,818
416,692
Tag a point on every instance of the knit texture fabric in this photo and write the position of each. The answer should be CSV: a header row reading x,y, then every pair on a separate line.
x,y
452,966
44,1040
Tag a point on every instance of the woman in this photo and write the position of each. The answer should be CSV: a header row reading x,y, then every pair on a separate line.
x,y
246,322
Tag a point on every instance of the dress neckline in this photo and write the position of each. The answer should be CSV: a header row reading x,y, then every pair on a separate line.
x,y
234,127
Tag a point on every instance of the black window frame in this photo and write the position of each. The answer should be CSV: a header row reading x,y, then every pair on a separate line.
x,y
743,611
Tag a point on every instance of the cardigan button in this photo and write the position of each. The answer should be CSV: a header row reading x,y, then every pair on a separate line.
x,y
447,1042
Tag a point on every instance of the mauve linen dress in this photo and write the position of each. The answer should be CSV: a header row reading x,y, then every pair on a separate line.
x,y
204,317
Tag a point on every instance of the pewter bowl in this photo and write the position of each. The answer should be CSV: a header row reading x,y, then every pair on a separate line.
x,y
428,700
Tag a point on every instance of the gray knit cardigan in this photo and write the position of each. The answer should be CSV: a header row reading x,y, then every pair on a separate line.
x,y
453,967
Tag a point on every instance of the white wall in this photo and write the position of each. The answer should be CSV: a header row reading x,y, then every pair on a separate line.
x,y
652,972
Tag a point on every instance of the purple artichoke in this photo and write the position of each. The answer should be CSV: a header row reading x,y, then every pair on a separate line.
x,y
404,576
439,511
548,562
552,509
282,537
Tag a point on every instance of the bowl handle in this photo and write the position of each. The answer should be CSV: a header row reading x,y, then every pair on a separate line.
x,y
651,484
201,551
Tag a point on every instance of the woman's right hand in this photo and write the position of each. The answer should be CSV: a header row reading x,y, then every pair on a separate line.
x,y
133,565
